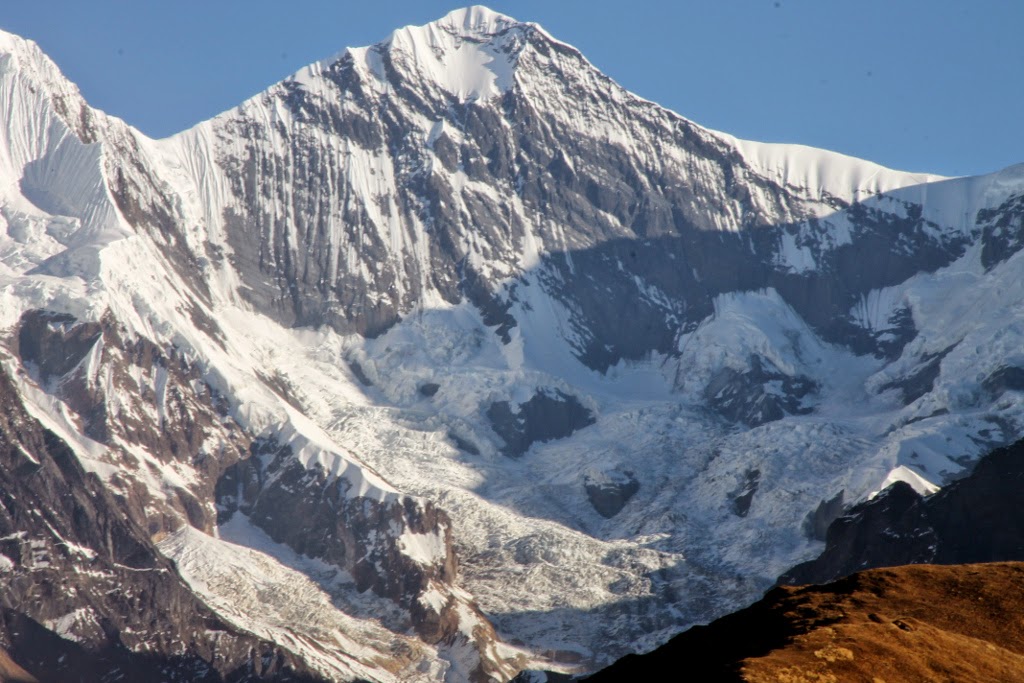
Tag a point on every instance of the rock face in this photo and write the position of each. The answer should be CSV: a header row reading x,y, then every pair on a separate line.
x,y
85,594
398,547
743,496
451,340
440,189
610,491
312,513
817,522
545,416
921,379
759,394
975,519
902,624
136,397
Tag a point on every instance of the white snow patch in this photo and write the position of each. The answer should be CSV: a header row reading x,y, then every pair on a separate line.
x,y
427,549
273,596
817,172
66,625
905,474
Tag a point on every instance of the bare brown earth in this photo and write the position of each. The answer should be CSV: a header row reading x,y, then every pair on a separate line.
x,y
955,623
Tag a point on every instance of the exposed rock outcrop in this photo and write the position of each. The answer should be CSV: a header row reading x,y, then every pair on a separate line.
x,y
547,415
758,394
609,491
975,519
84,595
399,547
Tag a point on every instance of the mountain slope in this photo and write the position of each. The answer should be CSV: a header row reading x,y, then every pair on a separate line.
x,y
911,623
503,365
120,365
85,592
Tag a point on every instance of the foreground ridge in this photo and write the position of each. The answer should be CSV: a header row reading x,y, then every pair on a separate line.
x,y
908,623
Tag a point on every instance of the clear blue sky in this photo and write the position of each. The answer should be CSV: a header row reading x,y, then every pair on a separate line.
x,y
922,85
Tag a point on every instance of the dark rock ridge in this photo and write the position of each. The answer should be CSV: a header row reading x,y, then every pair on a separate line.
x,y
817,522
548,414
1006,378
975,519
84,595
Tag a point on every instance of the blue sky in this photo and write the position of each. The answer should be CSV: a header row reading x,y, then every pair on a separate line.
x,y
922,85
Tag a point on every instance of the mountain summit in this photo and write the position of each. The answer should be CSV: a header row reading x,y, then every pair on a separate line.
x,y
475,22
469,54
449,357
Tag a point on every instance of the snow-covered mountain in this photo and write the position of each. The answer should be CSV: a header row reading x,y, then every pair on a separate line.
x,y
448,356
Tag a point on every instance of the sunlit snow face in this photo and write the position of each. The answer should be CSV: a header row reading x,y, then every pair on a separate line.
x,y
458,54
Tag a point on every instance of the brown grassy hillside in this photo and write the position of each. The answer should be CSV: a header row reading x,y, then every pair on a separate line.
x,y
962,623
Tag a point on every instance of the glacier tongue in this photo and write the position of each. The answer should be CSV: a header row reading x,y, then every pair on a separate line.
x,y
450,341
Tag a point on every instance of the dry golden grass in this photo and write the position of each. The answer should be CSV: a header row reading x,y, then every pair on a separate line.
x,y
906,624
912,624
